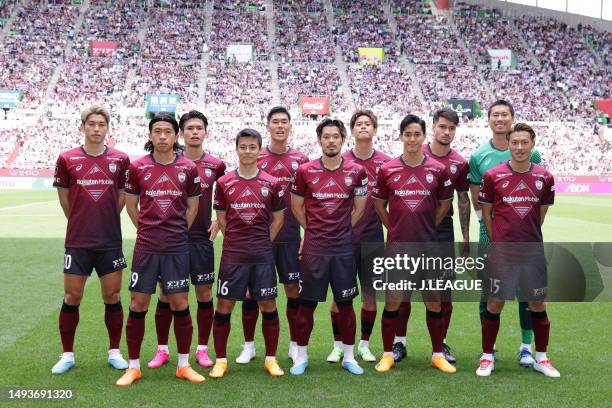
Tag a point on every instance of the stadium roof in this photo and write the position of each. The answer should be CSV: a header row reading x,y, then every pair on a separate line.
x,y
601,9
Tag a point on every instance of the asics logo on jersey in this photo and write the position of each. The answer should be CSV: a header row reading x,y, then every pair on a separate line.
x,y
79,167
397,178
315,181
148,176
231,191
505,184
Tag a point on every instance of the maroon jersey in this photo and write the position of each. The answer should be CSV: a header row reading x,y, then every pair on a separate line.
x,y
210,169
283,167
94,183
457,167
413,194
248,204
328,198
517,198
369,228
163,190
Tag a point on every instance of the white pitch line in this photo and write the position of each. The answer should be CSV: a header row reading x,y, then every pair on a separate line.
x,y
27,205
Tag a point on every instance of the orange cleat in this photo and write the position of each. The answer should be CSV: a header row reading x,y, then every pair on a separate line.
x,y
441,364
272,367
189,374
130,375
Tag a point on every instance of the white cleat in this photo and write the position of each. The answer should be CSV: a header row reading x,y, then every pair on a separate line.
x,y
545,367
292,352
246,355
485,368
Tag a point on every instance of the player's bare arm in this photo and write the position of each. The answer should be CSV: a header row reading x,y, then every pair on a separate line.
x,y
213,230
474,190
221,221
442,209
299,211
487,217
464,214
278,217
64,199
359,204
131,206
121,202
192,210
543,211
381,209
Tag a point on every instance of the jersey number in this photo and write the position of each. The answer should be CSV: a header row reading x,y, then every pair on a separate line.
x,y
222,288
67,261
134,279
494,285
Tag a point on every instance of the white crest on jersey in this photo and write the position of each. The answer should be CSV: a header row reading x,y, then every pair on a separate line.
x,y
429,177
264,191
112,167
182,177
294,165
453,168
539,184
348,181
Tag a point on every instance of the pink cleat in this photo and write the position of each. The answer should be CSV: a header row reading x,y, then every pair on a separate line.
x,y
161,358
203,359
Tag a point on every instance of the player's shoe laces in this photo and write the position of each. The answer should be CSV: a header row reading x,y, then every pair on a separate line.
x,y
203,359
441,364
189,374
336,355
366,354
399,351
385,364
118,362
447,354
246,355
352,367
219,370
298,369
545,367
161,357
63,365
485,368
130,375
525,358
272,367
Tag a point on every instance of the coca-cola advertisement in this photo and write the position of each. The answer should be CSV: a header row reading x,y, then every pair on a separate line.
x,y
314,105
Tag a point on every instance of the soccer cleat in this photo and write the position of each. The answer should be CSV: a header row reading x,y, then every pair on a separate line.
x,y
62,366
366,354
203,359
272,367
441,364
399,351
189,374
118,362
292,353
385,364
352,367
485,368
447,354
545,367
130,375
161,357
246,355
298,369
219,370
525,358
335,355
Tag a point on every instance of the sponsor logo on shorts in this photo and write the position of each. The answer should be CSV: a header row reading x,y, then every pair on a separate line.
x,y
119,263
268,291
205,277
540,291
293,276
177,284
348,292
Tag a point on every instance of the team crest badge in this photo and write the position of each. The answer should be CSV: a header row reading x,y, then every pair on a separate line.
x,y
348,181
207,172
264,191
294,165
429,177
539,184
453,168
181,177
112,167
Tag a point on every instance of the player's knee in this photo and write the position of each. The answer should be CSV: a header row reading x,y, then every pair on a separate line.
x,y
392,306
111,296
433,307
537,306
495,306
178,301
369,306
225,306
203,293
73,298
292,290
267,306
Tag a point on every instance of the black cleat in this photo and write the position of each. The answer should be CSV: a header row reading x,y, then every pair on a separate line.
x,y
447,354
399,351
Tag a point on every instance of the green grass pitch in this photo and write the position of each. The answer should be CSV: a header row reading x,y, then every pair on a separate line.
x,y
31,254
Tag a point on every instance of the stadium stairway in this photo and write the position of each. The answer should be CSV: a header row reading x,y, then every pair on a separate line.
x,y
270,41
131,75
203,77
9,22
534,60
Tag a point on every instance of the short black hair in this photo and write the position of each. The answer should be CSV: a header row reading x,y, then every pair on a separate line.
x,y
410,119
446,113
275,110
164,117
500,102
331,122
192,114
249,133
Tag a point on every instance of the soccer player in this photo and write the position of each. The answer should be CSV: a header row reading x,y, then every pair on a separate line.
x,y
363,125
90,181
281,161
419,192
445,122
250,205
515,197
328,199
166,187
193,129
487,156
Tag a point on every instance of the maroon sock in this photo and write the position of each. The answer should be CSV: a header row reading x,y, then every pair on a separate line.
x,y
270,327
541,330
306,321
292,311
250,313
335,321
206,313
347,322
490,327
183,330
68,321
134,333
113,318
402,321
447,311
221,330
163,321
368,317
388,324
435,325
